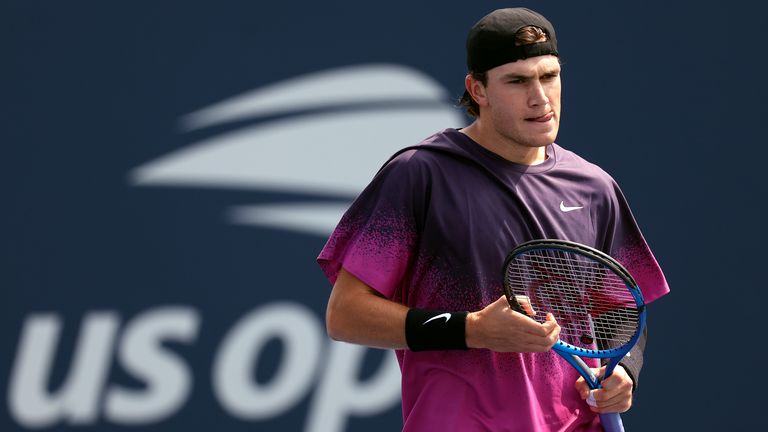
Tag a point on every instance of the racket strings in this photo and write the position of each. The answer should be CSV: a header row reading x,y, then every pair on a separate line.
x,y
591,303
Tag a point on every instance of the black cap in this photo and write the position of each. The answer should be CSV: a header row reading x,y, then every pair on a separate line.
x,y
491,42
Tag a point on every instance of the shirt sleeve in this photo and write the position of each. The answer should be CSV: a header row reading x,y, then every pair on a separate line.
x,y
625,243
377,236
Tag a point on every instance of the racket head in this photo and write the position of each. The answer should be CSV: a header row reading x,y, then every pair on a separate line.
x,y
595,300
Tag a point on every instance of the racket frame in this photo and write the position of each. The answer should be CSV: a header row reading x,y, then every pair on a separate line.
x,y
573,354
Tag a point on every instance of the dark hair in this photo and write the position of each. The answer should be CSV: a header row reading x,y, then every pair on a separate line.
x,y
525,36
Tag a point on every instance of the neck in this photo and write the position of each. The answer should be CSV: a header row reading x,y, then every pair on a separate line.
x,y
503,146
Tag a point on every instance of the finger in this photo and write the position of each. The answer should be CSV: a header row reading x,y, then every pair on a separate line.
x,y
582,388
541,337
617,398
552,338
599,373
553,333
549,330
604,399
621,395
502,302
525,303
617,382
612,382
520,304
540,345
551,321
616,405
591,400
535,328
532,334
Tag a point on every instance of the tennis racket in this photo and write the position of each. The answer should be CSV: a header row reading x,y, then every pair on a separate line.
x,y
598,305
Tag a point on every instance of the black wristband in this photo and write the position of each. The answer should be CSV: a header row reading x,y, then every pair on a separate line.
x,y
633,361
428,330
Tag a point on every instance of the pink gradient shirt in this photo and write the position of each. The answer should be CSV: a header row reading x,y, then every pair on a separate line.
x,y
432,231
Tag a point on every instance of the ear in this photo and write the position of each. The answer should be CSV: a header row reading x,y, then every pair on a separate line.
x,y
476,89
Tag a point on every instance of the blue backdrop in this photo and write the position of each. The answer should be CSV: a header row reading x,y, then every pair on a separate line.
x,y
171,169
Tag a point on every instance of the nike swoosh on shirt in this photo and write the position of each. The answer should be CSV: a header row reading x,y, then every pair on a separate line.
x,y
446,315
567,209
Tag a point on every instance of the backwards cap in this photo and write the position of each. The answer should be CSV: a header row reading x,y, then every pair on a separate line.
x,y
491,41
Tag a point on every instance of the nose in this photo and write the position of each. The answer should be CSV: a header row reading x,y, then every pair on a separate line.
x,y
536,95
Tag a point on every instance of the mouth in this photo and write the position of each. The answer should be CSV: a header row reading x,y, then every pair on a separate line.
x,y
542,119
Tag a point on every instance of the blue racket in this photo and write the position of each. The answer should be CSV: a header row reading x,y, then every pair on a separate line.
x,y
595,300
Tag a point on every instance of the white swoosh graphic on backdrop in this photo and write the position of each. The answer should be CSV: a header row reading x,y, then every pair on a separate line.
x,y
308,218
348,85
328,153
332,153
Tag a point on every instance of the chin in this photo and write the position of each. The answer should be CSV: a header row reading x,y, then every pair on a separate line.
x,y
546,140
540,138
542,141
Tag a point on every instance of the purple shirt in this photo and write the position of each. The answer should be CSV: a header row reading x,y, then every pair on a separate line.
x,y
432,231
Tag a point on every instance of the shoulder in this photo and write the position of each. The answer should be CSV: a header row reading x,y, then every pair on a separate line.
x,y
583,170
409,162
430,153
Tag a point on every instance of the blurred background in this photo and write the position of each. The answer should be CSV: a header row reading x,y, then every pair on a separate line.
x,y
170,171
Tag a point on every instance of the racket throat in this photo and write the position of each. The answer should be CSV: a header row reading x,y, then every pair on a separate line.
x,y
592,381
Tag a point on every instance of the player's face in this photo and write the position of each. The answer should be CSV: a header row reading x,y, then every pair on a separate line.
x,y
521,101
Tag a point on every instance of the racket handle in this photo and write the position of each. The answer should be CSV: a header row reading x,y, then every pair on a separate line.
x,y
612,422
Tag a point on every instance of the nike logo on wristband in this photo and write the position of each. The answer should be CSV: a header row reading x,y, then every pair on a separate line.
x,y
446,315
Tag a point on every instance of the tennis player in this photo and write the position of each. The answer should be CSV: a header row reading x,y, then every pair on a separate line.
x,y
416,261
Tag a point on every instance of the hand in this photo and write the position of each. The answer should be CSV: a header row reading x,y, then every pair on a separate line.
x,y
614,397
499,328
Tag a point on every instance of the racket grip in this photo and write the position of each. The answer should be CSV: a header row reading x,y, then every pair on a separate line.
x,y
612,422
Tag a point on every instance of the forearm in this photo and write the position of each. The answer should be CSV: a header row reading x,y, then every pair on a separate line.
x,y
358,314
634,362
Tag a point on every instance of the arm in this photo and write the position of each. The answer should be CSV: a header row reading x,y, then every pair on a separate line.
x,y
359,314
633,362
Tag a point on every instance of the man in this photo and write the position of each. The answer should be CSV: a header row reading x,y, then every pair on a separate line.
x,y
426,241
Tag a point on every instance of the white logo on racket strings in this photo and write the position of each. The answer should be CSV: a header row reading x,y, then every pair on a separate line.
x,y
566,209
446,315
